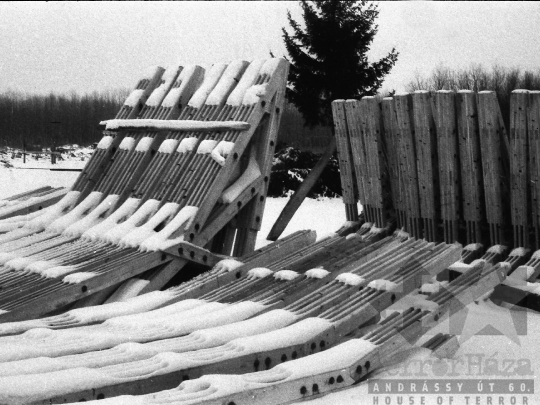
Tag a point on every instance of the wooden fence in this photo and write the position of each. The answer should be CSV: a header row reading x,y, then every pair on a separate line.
x,y
443,165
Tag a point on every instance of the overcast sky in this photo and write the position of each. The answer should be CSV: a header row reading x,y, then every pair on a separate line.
x,y
95,46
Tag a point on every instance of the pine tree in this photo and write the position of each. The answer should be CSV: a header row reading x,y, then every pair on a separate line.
x,y
328,56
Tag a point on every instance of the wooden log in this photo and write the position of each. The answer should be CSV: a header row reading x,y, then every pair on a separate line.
x,y
449,169
471,168
407,162
27,207
427,164
299,195
391,146
519,174
351,192
496,188
533,132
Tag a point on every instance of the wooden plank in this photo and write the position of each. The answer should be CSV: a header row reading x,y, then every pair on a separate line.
x,y
496,188
68,293
407,163
533,132
260,110
156,125
427,164
356,122
27,207
519,203
350,192
391,145
449,169
471,168
251,216
299,195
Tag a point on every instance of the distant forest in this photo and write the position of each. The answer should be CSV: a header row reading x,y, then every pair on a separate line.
x,y
42,121
46,120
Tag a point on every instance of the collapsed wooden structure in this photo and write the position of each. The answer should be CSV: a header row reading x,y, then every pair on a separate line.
x,y
296,318
188,155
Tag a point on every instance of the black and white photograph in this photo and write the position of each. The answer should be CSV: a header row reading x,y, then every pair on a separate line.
x,y
269,202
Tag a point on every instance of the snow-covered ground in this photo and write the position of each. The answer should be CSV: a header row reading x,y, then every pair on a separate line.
x,y
481,359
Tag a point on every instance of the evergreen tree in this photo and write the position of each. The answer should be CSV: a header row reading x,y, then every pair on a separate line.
x,y
328,56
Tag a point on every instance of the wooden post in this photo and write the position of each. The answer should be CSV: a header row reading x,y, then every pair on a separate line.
x,y
300,194
518,167
351,191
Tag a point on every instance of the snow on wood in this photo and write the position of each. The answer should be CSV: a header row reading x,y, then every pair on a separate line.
x,y
325,236
93,218
190,308
248,78
58,271
266,322
131,328
317,273
175,93
128,143
520,251
229,77
41,265
176,125
125,211
473,246
144,144
168,146
296,333
19,263
206,146
286,275
383,285
211,77
77,278
7,256
160,92
350,279
252,173
227,265
259,272
129,289
255,93
459,266
434,287
221,151
64,205
134,98
117,232
334,359
139,234
89,203
481,262
499,249
134,305
160,240
187,145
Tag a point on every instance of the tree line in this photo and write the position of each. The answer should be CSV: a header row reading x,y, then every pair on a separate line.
x,y
502,80
58,119
55,119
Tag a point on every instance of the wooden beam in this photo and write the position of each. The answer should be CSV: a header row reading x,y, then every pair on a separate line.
x,y
300,194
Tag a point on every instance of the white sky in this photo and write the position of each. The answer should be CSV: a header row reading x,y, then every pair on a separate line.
x,y
95,46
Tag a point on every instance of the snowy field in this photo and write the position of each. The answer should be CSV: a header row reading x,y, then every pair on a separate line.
x,y
480,359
